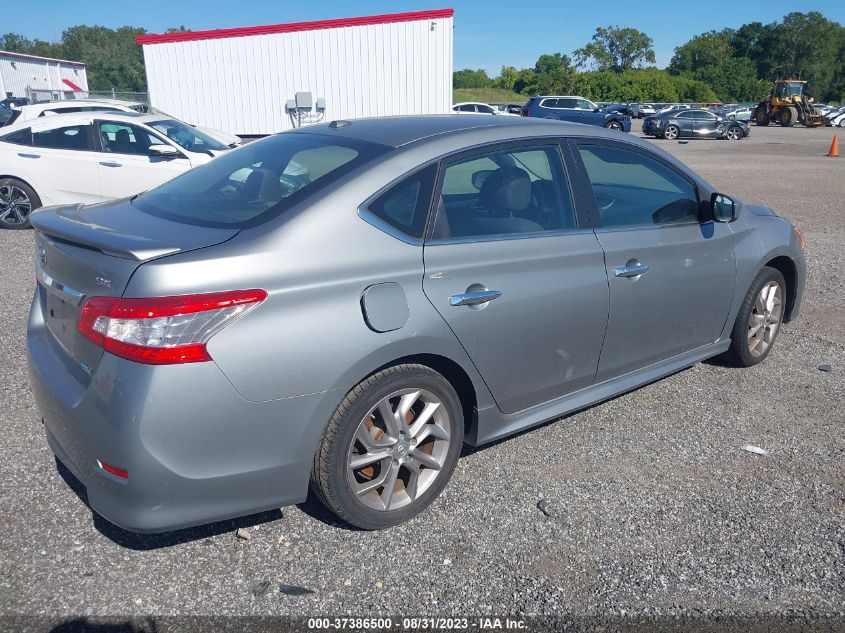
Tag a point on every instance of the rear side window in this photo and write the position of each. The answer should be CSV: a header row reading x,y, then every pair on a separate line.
x,y
75,137
405,205
21,137
632,189
506,192
258,181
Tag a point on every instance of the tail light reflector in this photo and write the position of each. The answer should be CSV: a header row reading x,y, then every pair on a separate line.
x,y
163,330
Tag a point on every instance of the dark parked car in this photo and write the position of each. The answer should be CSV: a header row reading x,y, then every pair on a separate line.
x,y
13,101
6,115
576,110
631,109
212,347
694,124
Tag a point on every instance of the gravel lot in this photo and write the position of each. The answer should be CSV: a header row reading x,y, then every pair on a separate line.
x,y
654,507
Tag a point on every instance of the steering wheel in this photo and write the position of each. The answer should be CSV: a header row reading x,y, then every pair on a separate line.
x,y
604,202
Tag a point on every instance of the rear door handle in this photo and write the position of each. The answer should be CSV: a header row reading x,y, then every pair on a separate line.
x,y
474,298
111,164
631,270
24,155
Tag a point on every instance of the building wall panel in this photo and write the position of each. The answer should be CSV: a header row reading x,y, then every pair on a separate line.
x,y
241,84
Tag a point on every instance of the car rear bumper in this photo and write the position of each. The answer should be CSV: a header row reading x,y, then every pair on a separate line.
x,y
194,449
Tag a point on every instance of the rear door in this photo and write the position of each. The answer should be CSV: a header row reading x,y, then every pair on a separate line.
x,y
125,164
516,274
671,277
61,157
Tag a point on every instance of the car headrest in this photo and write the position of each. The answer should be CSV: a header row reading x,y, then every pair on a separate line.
x,y
263,185
506,189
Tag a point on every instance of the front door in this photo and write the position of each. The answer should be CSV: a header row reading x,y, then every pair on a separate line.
x,y
125,164
704,124
520,282
671,277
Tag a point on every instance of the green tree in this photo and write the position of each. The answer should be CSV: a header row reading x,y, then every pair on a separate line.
x,y
468,78
507,78
708,49
616,49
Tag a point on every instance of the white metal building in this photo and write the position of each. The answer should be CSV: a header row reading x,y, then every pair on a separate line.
x,y
241,79
40,77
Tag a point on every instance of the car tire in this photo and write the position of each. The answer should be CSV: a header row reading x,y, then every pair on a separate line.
x,y
369,446
758,322
671,132
734,133
17,201
841,123
614,125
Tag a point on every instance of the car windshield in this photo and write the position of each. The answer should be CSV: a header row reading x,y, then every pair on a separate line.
x,y
260,180
184,135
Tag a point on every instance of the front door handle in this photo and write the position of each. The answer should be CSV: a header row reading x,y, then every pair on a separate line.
x,y
474,298
25,155
111,164
631,269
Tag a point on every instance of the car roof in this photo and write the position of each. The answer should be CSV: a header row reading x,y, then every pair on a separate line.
x,y
71,118
470,103
398,131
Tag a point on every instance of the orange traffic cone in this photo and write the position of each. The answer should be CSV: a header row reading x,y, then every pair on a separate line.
x,y
834,147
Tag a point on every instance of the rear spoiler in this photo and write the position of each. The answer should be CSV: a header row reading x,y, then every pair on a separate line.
x,y
66,224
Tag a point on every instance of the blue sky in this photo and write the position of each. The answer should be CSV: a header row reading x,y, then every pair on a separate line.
x,y
488,33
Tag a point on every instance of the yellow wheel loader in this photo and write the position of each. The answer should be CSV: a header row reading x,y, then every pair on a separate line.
x,y
788,103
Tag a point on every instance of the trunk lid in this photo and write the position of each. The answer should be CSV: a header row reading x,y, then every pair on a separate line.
x,y
83,252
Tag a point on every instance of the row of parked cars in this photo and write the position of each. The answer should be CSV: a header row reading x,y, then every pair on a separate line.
x,y
87,151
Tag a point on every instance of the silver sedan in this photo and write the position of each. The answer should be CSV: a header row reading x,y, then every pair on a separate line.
x,y
342,307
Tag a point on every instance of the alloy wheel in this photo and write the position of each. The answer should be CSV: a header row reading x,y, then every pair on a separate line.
x,y
614,125
734,134
15,205
765,319
398,449
671,133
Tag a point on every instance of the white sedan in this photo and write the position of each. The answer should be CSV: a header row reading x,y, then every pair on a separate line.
x,y
471,107
49,108
90,157
836,118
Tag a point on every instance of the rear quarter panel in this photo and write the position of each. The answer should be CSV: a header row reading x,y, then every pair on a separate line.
x,y
315,262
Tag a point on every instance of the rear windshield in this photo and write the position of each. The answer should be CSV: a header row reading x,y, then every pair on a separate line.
x,y
258,181
184,135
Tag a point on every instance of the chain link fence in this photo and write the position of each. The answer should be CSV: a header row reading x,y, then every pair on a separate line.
x,y
34,95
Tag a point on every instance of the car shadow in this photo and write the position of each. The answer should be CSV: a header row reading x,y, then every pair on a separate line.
x,y
143,542
86,625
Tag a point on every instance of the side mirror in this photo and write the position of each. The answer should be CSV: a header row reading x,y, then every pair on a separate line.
x,y
596,109
167,151
724,208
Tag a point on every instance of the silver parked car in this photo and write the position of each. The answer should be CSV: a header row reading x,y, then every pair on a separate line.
x,y
345,305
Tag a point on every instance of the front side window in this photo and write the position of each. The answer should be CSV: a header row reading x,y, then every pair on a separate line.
x,y
485,109
507,192
186,136
124,138
75,137
632,189
258,181
685,115
583,104
405,205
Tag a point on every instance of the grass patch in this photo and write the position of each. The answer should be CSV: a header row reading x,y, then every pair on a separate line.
x,y
487,95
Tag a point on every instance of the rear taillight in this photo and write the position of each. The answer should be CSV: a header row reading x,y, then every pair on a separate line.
x,y
163,330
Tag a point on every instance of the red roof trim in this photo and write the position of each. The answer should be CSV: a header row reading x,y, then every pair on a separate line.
x,y
293,27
